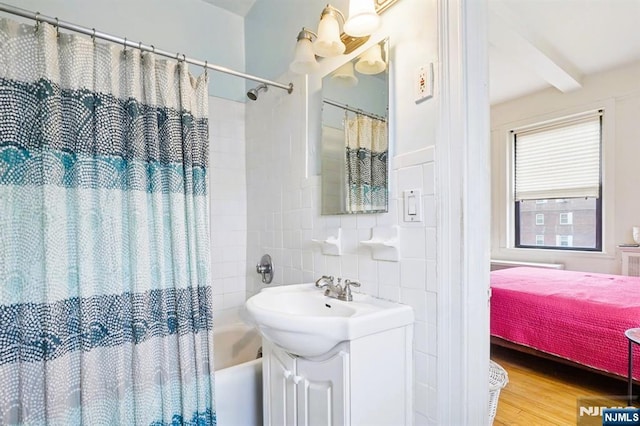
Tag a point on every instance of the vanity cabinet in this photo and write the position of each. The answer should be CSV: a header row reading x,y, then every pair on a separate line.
x,y
366,381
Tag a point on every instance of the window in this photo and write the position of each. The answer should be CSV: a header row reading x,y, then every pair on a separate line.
x,y
557,174
564,240
566,218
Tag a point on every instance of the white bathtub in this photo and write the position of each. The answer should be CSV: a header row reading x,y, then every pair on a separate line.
x,y
238,375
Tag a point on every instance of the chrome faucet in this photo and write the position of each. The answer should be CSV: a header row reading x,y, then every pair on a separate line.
x,y
326,279
337,291
326,282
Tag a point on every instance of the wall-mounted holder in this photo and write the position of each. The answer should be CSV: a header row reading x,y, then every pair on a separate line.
x,y
332,245
384,243
265,268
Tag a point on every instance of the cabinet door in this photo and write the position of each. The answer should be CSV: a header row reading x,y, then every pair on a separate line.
x,y
278,369
323,391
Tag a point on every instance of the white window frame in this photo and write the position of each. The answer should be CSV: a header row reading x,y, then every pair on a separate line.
x,y
567,238
568,218
503,219
538,238
564,177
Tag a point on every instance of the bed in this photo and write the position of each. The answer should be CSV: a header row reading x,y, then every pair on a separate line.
x,y
576,316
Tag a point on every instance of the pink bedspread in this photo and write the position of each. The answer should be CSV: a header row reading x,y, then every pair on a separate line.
x,y
580,316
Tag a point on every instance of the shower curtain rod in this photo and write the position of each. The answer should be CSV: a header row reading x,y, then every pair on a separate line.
x,y
145,48
356,110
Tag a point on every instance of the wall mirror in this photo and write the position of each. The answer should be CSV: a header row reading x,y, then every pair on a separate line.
x,y
354,147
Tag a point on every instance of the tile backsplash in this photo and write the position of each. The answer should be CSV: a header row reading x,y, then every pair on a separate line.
x,y
228,209
284,217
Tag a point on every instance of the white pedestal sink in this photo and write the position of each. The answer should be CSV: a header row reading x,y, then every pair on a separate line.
x,y
305,322
328,361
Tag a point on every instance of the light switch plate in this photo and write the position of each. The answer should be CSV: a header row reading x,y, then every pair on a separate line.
x,y
412,205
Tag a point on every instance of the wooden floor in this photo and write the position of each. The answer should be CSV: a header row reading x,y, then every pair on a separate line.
x,y
544,392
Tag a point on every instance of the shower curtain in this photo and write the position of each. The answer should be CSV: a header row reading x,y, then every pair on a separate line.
x,y
366,164
105,301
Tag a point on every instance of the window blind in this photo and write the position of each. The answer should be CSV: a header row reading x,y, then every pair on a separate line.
x,y
561,160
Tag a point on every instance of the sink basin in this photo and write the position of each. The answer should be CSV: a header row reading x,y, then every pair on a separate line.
x,y
305,322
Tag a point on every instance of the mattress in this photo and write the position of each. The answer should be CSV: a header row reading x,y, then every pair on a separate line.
x,y
579,316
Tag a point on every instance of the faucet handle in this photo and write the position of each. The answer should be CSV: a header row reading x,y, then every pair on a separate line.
x,y
351,283
346,292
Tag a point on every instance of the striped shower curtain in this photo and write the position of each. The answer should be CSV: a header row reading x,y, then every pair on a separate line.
x,y
105,301
367,155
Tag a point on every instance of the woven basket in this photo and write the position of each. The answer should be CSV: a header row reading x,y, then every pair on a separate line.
x,y
498,379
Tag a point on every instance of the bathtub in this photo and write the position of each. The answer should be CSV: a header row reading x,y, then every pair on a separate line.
x,y
238,375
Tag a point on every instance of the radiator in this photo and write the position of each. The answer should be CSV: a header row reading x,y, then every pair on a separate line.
x,y
631,261
497,264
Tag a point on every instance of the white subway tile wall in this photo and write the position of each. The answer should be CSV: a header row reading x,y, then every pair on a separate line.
x,y
228,207
284,216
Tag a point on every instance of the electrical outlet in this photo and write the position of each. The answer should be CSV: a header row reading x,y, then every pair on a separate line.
x,y
424,82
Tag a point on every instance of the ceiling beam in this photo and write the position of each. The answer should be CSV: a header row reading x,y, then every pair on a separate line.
x,y
510,35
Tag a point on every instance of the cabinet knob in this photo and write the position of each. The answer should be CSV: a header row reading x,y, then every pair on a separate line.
x,y
287,374
297,379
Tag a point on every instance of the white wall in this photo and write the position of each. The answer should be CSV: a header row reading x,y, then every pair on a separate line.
x,y
191,27
618,91
283,202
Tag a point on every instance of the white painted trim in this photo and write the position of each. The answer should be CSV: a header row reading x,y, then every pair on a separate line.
x,y
463,214
414,158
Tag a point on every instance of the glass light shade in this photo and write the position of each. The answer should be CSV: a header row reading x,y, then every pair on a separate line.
x,y
328,42
344,75
371,61
363,19
304,60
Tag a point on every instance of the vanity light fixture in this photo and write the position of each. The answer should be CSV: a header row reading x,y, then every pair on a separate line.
x,y
364,19
328,42
371,61
304,60
344,75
